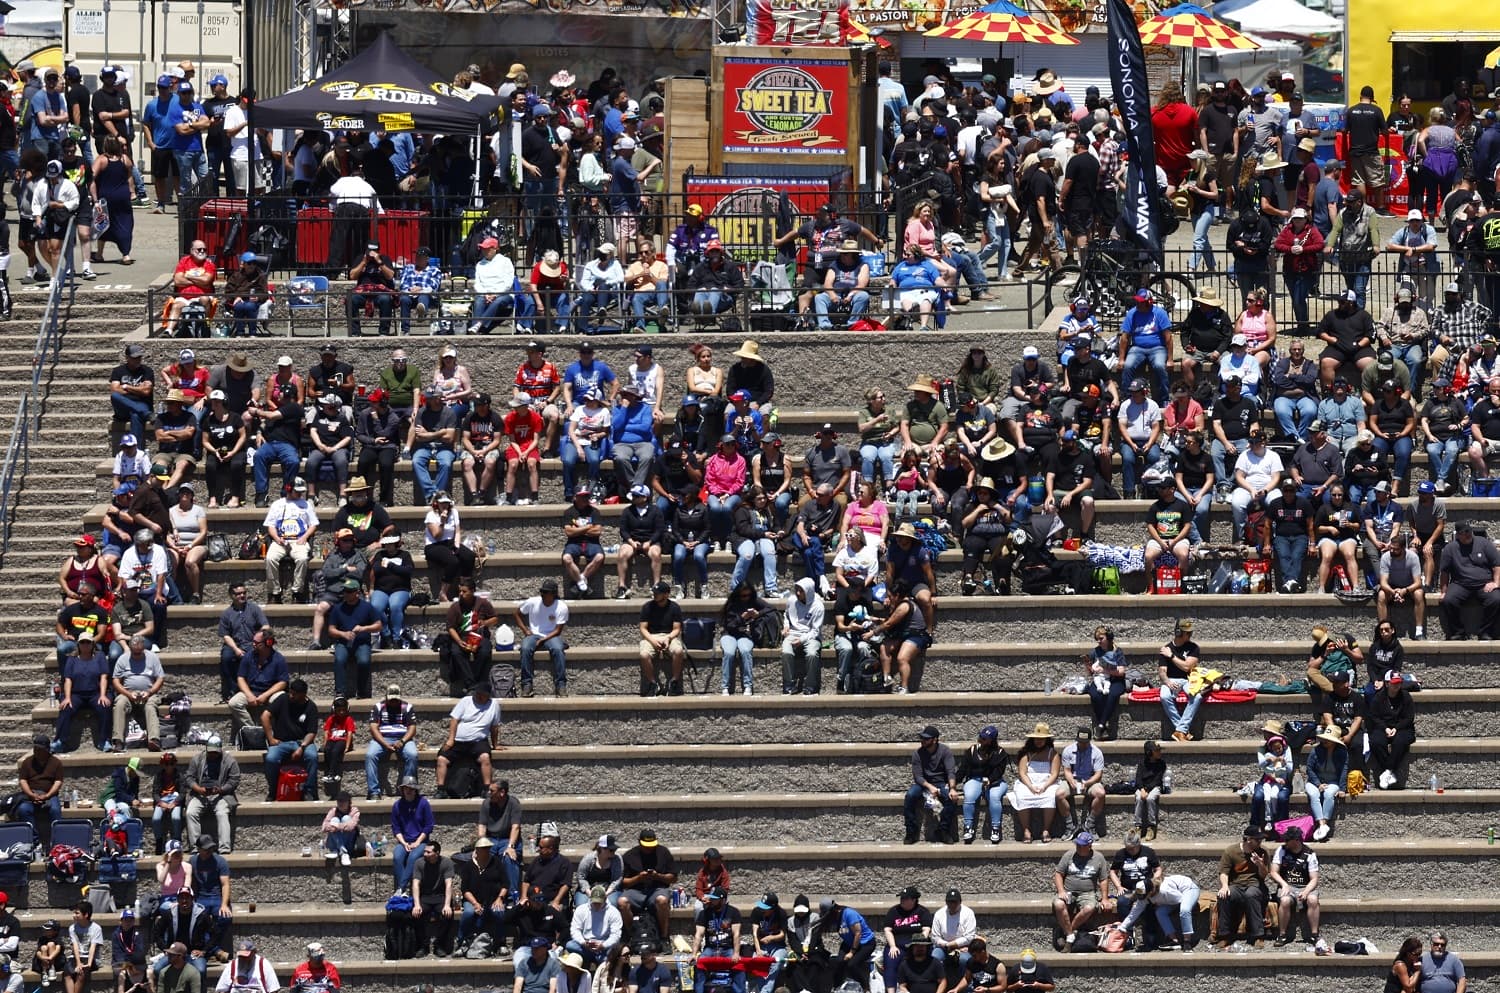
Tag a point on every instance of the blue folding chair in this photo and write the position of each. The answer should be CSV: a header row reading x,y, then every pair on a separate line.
x,y
135,831
13,870
307,296
75,831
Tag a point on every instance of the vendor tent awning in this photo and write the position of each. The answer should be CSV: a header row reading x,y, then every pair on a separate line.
x,y
380,89
1277,17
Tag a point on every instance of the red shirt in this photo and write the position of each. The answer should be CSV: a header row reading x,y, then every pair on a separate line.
x,y
523,425
191,265
336,729
1175,128
538,383
193,382
326,975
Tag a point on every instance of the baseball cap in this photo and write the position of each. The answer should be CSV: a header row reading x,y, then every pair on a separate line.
x,y
1394,676
164,80
1030,352
219,79
1452,287
184,87
1414,215
1083,838
625,141
1028,957
1142,295
1426,486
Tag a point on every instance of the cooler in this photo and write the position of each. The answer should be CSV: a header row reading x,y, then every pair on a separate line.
x,y
314,229
400,233
215,219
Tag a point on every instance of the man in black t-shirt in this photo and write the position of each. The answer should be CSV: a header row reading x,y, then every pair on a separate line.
x,y
649,874
661,640
1364,123
1345,709
130,390
1070,481
716,933
982,973
331,375
482,882
480,438
1233,415
919,971
214,141
1030,976
651,976
79,113
1079,186
281,435
1484,426
582,554
290,722
1039,201
905,924
1218,135
1292,535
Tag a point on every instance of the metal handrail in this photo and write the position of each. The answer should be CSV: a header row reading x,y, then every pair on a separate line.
x,y
30,408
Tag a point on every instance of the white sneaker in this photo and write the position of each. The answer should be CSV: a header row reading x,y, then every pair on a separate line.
x,y
330,856
1321,833
343,858
1419,633
724,691
1387,779
583,586
747,691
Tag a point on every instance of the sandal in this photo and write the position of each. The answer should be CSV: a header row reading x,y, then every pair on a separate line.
x,y
127,260
1046,837
1026,838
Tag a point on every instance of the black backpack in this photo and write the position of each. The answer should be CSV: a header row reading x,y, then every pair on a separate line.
x,y
643,929
400,936
765,630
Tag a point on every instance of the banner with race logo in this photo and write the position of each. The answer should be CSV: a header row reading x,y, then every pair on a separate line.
x,y
750,212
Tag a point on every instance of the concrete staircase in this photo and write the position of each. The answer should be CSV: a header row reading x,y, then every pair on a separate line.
x,y
800,794
59,485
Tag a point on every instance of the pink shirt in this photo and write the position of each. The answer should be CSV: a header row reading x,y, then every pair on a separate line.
x,y
918,233
1194,411
724,476
1253,327
869,519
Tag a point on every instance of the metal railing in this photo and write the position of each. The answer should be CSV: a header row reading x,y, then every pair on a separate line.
x,y
31,406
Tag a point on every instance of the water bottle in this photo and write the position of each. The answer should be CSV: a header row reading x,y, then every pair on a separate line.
x,y
1433,783
1299,782
1166,780
1489,836
1047,686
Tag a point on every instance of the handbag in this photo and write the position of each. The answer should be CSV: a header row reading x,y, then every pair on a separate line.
x,y
101,217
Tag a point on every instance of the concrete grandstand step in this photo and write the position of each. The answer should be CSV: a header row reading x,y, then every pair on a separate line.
x,y
586,719
964,619
982,666
287,877
1216,764
1010,922
766,817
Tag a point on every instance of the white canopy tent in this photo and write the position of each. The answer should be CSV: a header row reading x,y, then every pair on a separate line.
x,y
1277,18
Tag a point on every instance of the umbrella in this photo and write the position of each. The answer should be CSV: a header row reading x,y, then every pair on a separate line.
x,y
1002,21
1188,25
861,35
1492,60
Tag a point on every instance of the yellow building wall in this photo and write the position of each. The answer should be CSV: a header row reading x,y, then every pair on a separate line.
x,y
1367,55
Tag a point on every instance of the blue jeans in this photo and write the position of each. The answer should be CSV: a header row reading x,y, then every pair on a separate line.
x,y
562,310
166,825
1181,720
1269,802
1291,553
246,313
592,454
712,301
1203,249
220,927
1130,458
487,312
1399,450
641,299
282,452
1441,457
973,790
427,483
747,550
1138,356
103,718
470,922
1357,278
603,297
1413,355
1295,417
1187,905
916,800
972,270
277,754
773,974
1201,511
410,300
192,167
721,514
781,509
1106,702
999,244
339,842
130,409
1223,461
736,648
374,753
814,565
554,649
404,863
1321,800
871,453
392,609
859,302
1252,275
27,811
1300,286
343,654
384,304
680,556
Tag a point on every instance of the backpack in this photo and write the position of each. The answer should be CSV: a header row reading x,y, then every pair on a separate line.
x,y
254,545
68,864
1114,940
502,682
218,548
1355,245
698,634
643,930
480,947
400,934
250,739
1167,215
765,630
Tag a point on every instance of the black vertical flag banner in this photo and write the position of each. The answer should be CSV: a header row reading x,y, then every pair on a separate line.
x,y
1139,217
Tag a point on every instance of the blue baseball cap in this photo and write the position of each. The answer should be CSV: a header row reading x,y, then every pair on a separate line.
x,y
184,87
123,489
219,80
1426,486
165,81
247,257
1258,91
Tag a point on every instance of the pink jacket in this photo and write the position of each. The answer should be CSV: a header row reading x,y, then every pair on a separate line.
x,y
330,826
723,476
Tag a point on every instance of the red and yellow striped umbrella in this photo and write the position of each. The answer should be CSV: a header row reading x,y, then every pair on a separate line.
x,y
1002,21
859,34
1188,25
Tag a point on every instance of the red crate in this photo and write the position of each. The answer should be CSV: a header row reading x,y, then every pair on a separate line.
x,y
400,233
215,218
314,228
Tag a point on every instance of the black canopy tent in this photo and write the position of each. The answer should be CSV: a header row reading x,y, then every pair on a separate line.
x,y
380,89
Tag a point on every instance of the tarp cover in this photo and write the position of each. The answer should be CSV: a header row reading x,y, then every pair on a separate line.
x,y
380,89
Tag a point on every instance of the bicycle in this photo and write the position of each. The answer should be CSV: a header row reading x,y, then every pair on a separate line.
x,y
1109,273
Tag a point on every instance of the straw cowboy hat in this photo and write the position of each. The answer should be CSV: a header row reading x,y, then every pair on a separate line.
x,y
997,449
906,530
1041,730
1209,297
986,484
1270,160
1272,726
1047,83
1330,735
922,385
750,350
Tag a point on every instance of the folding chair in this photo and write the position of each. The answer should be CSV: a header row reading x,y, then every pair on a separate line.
x,y
307,296
75,831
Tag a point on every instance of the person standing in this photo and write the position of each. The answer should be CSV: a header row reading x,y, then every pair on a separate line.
x,y
1364,123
